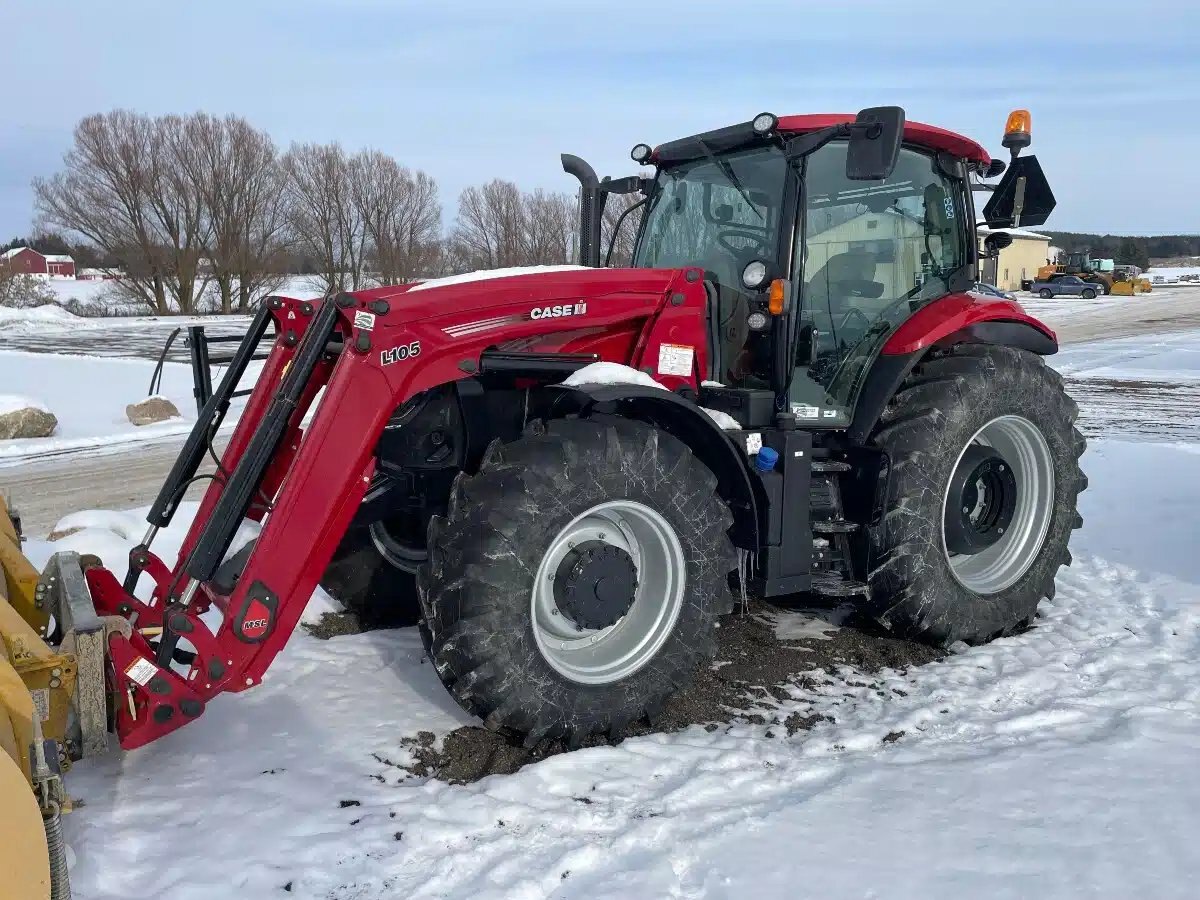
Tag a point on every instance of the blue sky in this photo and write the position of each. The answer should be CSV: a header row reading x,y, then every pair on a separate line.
x,y
469,91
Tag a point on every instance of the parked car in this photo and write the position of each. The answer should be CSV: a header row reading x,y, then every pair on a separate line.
x,y
1070,285
991,290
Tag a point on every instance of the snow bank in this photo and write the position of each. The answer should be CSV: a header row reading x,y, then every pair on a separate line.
x,y
111,534
88,395
488,274
14,402
35,318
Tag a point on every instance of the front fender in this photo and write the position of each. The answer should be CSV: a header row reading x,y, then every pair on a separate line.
x,y
687,422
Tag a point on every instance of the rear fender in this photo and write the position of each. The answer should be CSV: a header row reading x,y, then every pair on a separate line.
x,y
683,419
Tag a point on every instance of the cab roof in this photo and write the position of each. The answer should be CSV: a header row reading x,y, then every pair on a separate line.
x,y
914,133
917,133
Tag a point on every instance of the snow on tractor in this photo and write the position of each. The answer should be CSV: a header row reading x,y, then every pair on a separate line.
x,y
808,398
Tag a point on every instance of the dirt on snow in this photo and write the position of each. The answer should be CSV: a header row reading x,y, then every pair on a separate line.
x,y
752,671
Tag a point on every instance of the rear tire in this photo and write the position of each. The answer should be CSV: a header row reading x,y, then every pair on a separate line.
x,y
947,411
491,629
364,581
1045,293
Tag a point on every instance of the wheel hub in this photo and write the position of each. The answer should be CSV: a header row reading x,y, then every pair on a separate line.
x,y
998,504
595,584
980,501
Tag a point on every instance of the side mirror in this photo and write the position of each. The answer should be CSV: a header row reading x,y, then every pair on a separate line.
x,y
995,242
875,139
1022,198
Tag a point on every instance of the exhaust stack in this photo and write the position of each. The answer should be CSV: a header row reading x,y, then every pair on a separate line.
x,y
591,208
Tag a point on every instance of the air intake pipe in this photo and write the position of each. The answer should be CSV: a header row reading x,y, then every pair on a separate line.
x,y
591,208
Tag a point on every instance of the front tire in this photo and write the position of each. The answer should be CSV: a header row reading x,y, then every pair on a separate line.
x,y
576,580
1090,294
981,496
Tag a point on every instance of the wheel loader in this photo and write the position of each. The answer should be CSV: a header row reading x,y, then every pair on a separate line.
x,y
567,475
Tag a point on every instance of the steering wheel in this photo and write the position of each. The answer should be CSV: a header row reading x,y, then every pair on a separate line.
x,y
855,312
723,238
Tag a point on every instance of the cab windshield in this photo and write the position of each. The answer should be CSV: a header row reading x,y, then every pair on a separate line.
x,y
718,212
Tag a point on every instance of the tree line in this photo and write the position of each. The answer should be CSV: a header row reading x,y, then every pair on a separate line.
x,y
199,205
1127,249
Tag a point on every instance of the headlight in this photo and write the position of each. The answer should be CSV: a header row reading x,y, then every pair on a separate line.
x,y
754,276
764,123
641,153
757,321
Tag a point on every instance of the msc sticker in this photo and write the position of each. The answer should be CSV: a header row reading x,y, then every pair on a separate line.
x,y
556,312
399,354
364,320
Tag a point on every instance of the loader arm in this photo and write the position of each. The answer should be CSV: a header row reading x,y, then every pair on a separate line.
x,y
365,354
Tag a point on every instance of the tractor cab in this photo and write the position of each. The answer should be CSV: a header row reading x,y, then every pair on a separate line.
x,y
819,235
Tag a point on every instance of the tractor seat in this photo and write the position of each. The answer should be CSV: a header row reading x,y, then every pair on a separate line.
x,y
844,276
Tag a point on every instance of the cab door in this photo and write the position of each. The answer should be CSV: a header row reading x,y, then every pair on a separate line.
x,y
869,253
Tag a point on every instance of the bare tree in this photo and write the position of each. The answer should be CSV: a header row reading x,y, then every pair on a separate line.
x,y
489,231
551,228
401,216
620,251
499,226
124,189
323,217
236,170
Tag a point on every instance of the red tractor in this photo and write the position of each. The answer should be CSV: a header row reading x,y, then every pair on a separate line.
x,y
568,539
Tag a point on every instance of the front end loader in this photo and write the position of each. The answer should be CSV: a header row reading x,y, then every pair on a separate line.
x,y
566,475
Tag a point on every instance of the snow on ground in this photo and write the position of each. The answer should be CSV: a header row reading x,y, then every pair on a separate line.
x,y
1057,763
88,395
1170,273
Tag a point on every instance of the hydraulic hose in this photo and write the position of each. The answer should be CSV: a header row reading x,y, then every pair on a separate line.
x,y
60,877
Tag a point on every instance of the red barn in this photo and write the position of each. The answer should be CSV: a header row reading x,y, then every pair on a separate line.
x,y
27,261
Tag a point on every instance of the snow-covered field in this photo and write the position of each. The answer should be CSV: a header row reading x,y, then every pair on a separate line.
x,y
1058,763
89,395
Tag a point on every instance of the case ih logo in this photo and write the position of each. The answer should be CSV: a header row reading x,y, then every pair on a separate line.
x,y
556,312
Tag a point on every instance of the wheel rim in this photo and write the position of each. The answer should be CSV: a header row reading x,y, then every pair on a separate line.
x,y
604,655
398,553
1019,444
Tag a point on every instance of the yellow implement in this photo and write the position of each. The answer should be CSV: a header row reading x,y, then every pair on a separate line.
x,y
52,709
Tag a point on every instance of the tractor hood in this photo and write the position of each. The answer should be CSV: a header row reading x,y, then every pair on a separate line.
x,y
536,285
